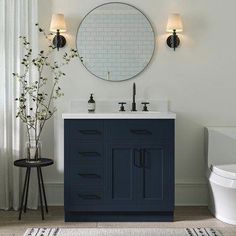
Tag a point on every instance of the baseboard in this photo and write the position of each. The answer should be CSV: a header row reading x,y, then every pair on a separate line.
x,y
191,194
186,194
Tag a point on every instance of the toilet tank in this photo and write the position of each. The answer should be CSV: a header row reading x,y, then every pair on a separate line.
x,y
220,145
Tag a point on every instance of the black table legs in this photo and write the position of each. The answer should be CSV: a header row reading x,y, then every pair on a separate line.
x,y
27,188
42,195
23,194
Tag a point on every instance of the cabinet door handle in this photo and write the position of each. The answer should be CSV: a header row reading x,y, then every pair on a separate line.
x,y
89,132
142,158
91,176
89,196
89,154
140,131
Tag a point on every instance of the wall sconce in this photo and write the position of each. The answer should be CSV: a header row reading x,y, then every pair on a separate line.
x,y
58,25
174,25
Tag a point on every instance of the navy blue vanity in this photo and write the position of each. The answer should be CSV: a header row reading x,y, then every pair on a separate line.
x,y
119,169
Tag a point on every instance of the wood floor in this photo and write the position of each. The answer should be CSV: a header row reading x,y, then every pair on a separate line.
x,y
184,217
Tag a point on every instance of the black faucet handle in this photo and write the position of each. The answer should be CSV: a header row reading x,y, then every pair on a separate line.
x,y
145,106
122,108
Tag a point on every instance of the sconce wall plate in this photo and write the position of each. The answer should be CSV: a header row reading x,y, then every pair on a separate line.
x,y
59,41
173,41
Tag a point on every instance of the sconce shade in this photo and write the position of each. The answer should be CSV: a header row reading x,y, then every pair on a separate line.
x,y
174,23
58,23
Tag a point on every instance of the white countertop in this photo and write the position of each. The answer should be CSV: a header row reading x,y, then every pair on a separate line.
x,y
121,115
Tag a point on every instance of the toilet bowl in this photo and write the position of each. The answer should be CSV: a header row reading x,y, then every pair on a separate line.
x,y
221,172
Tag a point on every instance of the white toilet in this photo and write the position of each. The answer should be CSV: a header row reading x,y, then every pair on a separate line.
x,y
221,172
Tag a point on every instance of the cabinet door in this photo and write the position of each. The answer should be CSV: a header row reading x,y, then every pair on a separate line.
x,y
156,188
122,160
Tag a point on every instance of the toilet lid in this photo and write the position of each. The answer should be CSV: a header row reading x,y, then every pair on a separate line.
x,y
226,171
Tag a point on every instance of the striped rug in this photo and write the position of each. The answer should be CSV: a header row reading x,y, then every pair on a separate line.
x,y
122,232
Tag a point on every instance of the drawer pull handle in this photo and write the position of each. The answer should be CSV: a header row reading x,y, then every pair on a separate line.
x,y
89,154
89,196
140,131
91,176
90,132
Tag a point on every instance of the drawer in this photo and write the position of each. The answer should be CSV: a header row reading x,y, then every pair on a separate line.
x,y
85,129
138,129
83,196
85,153
86,175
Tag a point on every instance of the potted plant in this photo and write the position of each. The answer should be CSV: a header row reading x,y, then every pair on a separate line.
x,y
35,104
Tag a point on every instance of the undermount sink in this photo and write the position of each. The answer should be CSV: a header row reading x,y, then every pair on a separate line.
x,y
120,115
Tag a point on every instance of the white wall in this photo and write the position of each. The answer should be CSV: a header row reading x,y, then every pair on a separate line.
x,y
198,79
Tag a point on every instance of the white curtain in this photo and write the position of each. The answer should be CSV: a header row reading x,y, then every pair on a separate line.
x,y
17,17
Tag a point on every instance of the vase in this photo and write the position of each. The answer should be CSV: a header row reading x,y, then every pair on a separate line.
x,y
33,151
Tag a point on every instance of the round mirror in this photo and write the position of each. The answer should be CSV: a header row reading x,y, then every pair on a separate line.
x,y
115,41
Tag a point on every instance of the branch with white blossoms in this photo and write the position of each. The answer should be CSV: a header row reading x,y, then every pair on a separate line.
x,y
34,103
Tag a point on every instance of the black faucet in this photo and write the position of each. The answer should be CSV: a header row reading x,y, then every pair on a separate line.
x,y
134,103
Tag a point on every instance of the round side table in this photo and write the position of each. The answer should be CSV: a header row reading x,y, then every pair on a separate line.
x,y
28,165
